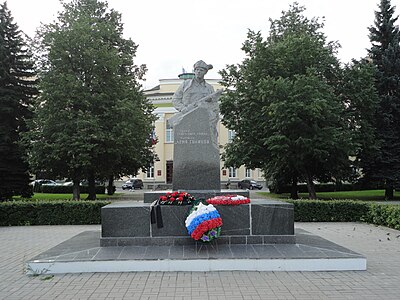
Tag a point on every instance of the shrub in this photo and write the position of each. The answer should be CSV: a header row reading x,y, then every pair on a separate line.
x,y
329,211
41,212
322,187
383,214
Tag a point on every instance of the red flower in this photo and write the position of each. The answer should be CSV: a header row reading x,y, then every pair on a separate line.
x,y
206,226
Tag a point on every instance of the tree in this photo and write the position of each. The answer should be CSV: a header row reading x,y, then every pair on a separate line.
x,y
284,104
385,55
93,120
358,93
17,89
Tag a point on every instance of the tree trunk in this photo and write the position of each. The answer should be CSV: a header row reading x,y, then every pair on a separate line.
x,y
311,187
110,187
293,191
389,190
92,186
76,192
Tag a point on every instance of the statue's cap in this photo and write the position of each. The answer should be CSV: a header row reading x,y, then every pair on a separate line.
x,y
202,64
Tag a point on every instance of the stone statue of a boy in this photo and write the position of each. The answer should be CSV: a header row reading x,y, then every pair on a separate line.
x,y
194,93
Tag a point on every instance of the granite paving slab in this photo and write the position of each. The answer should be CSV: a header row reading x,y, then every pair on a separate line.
x,y
83,253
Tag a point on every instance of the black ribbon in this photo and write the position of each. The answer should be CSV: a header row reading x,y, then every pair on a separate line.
x,y
155,214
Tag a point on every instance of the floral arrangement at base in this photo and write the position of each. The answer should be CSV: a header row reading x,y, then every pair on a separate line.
x,y
176,198
228,200
204,223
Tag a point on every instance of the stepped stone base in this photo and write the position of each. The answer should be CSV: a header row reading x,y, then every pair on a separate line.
x,y
149,197
260,222
83,253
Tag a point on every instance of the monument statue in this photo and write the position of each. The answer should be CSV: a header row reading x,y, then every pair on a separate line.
x,y
194,93
196,151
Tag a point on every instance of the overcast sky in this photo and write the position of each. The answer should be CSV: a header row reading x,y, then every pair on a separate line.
x,y
174,34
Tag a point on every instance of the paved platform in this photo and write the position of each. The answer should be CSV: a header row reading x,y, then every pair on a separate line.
x,y
83,253
380,245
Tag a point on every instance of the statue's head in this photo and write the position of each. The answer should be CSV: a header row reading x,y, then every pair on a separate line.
x,y
201,69
202,64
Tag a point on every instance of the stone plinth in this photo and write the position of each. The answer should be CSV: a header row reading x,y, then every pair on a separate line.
x,y
260,222
196,156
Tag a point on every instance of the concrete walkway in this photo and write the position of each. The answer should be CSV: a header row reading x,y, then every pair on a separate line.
x,y
380,245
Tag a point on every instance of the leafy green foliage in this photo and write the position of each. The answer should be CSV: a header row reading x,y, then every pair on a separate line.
x,y
16,213
329,211
17,88
358,93
92,119
385,215
292,115
346,211
385,54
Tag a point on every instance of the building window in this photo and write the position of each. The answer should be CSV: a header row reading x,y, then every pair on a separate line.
x,y
231,135
169,134
248,173
150,172
232,172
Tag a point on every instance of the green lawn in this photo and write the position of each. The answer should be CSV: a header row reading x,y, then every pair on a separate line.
x,y
45,196
367,195
163,105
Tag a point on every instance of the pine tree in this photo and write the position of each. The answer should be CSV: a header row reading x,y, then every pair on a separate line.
x,y
17,88
385,55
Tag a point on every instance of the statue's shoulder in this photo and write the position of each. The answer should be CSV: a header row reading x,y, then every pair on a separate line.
x,y
186,84
209,86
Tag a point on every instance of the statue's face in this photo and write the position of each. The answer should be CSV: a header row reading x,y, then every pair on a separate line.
x,y
200,72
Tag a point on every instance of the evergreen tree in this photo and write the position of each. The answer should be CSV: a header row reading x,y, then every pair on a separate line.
x,y
93,120
17,88
385,54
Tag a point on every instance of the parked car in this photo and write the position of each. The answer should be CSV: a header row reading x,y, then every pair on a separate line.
x,y
43,182
83,183
249,184
133,184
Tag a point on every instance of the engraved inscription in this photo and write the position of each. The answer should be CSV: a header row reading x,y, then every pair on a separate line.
x,y
191,138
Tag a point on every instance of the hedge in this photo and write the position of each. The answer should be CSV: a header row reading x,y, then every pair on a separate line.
x,y
53,212
322,187
385,215
329,211
67,212
346,211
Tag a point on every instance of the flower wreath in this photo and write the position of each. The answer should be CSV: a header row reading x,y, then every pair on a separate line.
x,y
204,222
228,200
176,198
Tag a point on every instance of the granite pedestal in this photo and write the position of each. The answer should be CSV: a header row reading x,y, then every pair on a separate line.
x,y
196,153
260,222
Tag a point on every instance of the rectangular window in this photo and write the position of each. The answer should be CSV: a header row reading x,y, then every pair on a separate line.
x,y
248,173
150,172
231,135
232,172
169,134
